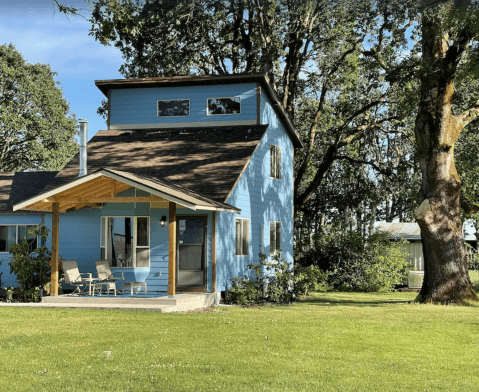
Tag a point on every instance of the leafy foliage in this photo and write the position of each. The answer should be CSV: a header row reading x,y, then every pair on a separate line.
x,y
36,130
355,263
31,266
272,281
333,63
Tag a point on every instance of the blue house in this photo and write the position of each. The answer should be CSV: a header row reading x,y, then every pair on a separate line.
x,y
192,179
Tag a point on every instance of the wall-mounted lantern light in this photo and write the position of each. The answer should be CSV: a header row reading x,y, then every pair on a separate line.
x,y
163,221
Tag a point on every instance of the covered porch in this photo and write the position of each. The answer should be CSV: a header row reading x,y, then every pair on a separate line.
x,y
110,187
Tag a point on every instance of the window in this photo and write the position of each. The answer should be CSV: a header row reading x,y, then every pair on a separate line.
x,y
15,234
274,237
174,108
218,106
275,152
125,241
242,237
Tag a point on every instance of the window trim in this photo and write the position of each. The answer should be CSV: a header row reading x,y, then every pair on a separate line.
x,y
170,100
226,114
275,169
244,223
278,225
134,235
37,225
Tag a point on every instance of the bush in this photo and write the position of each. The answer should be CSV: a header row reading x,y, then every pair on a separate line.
x,y
272,281
355,263
310,278
474,277
31,267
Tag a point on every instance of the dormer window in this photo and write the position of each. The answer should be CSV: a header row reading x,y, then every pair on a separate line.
x,y
221,106
174,108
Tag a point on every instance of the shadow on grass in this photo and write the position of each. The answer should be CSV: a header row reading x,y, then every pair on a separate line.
x,y
356,299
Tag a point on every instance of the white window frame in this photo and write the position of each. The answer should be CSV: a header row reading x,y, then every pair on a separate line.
x,y
16,233
243,236
274,239
275,162
170,100
134,234
226,114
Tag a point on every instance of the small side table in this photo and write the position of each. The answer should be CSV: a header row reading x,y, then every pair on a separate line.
x,y
109,286
134,286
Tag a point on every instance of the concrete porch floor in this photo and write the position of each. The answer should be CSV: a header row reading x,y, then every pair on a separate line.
x,y
159,302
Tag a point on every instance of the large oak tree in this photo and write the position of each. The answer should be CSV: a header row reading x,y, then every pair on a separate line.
x,y
449,49
37,131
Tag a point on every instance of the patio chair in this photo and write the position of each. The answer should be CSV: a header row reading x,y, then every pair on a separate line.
x,y
74,277
104,272
105,276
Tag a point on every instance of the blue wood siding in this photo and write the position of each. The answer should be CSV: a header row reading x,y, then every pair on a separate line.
x,y
14,219
261,199
80,240
139,106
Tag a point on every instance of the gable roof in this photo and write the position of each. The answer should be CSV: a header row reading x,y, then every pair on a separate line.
x,y
192,80
206,160
409,231
399,231
80,189
19,186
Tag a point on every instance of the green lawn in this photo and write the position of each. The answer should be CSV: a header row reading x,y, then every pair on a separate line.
x,y
328,342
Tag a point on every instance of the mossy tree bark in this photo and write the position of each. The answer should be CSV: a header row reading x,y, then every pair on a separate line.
x,y
446,278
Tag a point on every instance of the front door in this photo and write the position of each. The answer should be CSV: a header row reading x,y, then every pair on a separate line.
x,y
191,251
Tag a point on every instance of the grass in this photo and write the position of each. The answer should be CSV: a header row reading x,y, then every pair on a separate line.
x,y
328,342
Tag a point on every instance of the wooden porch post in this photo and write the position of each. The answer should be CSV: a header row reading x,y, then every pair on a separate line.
x,y
213,255
172,249
55,244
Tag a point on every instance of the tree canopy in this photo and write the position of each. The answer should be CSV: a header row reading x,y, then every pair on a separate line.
x,y
330,62
36,129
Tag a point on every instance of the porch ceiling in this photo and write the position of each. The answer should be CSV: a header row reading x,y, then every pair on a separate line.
x,y
103,186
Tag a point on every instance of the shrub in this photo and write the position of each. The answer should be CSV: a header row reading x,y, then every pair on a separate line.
x,y
272,281
474,276
379,265
31,266
357,263
310,278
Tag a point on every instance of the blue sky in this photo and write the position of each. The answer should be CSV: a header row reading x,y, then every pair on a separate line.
x,y
43,35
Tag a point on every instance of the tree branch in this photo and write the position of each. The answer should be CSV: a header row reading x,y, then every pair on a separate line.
x,y
467,206
387,172
466,117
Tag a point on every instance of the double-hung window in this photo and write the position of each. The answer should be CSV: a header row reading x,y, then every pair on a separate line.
x,y
125,241
221,106
173,108
275,160
274,237
16,234
242,237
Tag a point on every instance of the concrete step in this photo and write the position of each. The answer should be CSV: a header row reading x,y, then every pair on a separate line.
x,y
179,303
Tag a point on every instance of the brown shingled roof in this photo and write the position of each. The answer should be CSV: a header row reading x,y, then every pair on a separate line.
x,y
16,187
206,160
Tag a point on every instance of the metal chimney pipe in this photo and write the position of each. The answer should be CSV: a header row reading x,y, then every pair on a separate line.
x,y
83,143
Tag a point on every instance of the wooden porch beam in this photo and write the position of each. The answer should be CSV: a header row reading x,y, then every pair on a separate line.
x,y
107,199
113,188
93,184
55,244
172,249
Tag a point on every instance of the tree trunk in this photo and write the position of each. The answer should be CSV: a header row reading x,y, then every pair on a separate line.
x,y
446,278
